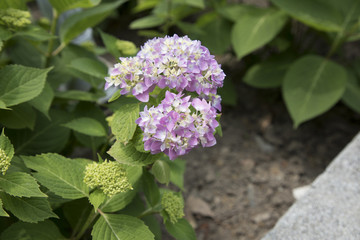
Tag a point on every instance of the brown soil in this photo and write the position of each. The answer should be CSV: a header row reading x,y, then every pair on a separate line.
x,y
239,188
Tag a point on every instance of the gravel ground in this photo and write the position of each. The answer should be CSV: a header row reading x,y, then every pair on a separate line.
x,y
239,188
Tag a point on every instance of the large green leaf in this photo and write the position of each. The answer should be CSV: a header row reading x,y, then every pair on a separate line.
x,y
233,12
255,29
48,136
123,124
35,33
44,100
161,171
20,184
118,226
121,200
127,154
268,74
64,5
147,22
177,170
150,188
323,15
78,22
20,84
181,230
46,230
24,53
351,95
20,116
312,86
60,175
88,126
88,66
28,209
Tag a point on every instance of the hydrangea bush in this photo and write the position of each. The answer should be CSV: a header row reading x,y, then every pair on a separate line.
x,y
75,164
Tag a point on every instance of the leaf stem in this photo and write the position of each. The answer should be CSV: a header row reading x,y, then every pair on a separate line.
x,y
92,216
51,41
150,211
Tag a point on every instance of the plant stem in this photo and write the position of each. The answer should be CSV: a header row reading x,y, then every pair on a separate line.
x,y
149,211
51,41
86,225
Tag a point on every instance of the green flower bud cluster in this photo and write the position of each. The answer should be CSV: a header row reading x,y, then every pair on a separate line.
x,y
126,47
4,161
14,18
173,206
109,176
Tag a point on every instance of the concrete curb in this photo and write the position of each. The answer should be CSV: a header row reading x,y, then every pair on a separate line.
x,y
331,207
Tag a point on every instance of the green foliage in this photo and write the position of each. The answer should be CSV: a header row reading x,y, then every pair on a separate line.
x,y
64,5
88,126
161,171
312,86
118,226
351,95
181,229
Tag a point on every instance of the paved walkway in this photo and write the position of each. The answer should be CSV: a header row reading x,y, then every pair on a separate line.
x,y
330,210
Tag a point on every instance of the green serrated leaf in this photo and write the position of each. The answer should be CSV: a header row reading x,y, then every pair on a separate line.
x,y
20,116
44,100
118,226
312,85
2,211
123,124
137,140
28,209
252,31
127,154
20,84
60,175
96,198
78,22
20,184
121,200
88,126
48,136
24,53
161,171
64,5
150,188
181,230
147,22
46,230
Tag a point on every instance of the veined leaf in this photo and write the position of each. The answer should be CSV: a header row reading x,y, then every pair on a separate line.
x,y
118,226
127,154
60,175
44,100
96,198
161,171
78,22
48,136
20,184
311,86
28,209
20,84
64,5
181,229
252,31
20,116
88,126
317,14
46,230
123,124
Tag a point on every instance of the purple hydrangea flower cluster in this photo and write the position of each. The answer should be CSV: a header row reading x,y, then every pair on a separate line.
x,y
174,129
174,62
179,123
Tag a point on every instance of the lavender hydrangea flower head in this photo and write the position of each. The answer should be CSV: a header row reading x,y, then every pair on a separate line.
x,y
174,129
174,62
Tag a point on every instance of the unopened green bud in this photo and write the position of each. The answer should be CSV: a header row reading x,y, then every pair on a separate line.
x,y
126,47
4,161
14,18
173,206
109,176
